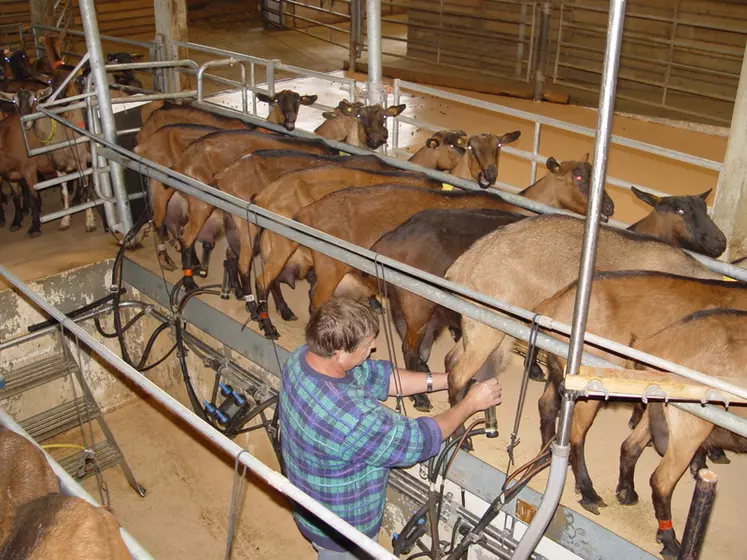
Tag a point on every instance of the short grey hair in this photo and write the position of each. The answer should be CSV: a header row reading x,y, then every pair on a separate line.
x,y
341,324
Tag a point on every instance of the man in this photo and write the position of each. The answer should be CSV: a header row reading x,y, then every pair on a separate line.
x,y
338,440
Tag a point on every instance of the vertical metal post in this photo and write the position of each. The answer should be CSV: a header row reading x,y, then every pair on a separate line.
x,y
101,184
561,447
270,73
355,25
535,150
520,44
373,33
395,131
543,47
699,514
109,127
37,45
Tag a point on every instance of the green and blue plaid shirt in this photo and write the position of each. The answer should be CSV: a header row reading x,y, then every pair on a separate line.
x,y
339,442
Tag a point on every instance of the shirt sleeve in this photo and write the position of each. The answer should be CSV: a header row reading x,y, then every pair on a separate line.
x,y
384,438
374,375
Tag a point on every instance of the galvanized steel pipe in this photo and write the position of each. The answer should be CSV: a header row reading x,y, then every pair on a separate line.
x,y
373,38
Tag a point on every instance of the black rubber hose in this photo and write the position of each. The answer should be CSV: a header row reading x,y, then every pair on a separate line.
x,y
160,361
127,327
181,354
405,538
149,346
76,312
248,415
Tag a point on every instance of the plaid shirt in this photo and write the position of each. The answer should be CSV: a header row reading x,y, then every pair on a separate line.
x,y
339,442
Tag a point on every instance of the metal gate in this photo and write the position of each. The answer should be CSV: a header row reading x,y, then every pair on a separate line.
x,y
678,55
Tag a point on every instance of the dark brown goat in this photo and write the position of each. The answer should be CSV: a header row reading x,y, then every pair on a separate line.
x,y
715,342
360,216
480,160
651,301
284,106
357,124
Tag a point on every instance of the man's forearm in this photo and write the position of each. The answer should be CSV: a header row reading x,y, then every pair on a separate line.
x,y
414,382
449,420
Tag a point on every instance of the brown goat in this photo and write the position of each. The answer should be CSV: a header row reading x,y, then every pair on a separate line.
x,y
247,176
25,475
357,124
682,221
57,527
360,216
712,341
442,151
284,106
165,146
169,113
293,191
527,262
624,307
202,160
480,160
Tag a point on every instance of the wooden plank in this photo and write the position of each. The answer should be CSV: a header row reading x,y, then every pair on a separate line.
x,y
470,82
625,382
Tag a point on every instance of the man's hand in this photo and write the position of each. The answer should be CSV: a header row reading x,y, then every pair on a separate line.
x,y
484,395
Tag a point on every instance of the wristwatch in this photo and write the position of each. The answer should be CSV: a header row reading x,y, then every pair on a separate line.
x,y
428,382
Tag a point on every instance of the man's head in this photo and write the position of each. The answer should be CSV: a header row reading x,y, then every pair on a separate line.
x,y
343,329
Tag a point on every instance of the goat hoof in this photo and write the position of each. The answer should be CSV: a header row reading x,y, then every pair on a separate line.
x,y
536,373
627,496
202,273
288,315
671,550
167,263
33,233
270,331
64,227
238,293
90,229
14,227
421,403
592,504
719,457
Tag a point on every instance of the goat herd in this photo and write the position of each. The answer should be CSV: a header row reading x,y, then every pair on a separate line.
x,y
646,293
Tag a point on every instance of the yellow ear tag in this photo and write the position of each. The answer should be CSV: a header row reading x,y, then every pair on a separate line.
x,y
447,187
727,279
344,154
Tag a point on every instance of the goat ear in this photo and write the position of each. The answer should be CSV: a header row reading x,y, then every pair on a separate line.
x,y
648,198
432,143
308,99
394,110
44,93
586,158
265,98
329,115
508,138
552,165
9,97
704,196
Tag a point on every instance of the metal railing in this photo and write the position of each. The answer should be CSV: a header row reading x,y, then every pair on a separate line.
x,y
240,455
407,277
539,121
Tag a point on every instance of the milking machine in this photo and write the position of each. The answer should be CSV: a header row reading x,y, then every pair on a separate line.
x,y
238,397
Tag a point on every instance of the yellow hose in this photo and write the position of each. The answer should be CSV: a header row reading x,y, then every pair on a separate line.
x,y
63,445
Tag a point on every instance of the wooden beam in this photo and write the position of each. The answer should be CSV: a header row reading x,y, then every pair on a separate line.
x,y
42,12
730,206
636,382
171,25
